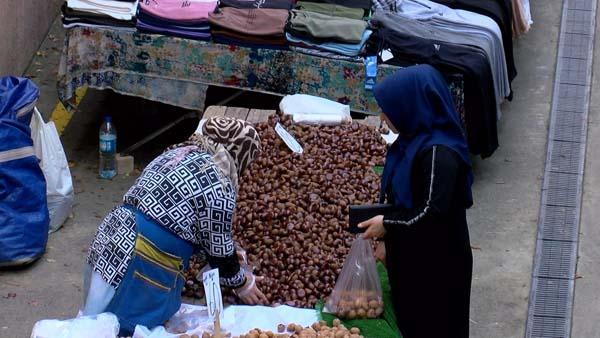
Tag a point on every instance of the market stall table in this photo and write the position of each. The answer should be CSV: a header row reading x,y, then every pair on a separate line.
x,y
178,71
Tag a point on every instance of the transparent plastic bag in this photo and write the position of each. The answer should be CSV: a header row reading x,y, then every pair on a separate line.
x,y
188,318
357,293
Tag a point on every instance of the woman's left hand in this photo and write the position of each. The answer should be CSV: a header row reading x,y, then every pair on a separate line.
x,y
374,227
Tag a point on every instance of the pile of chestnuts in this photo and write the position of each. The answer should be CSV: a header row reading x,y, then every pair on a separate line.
x,y
356,305
292,208
316,330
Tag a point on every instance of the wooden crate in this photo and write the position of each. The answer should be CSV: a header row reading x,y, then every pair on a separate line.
x,y
249,115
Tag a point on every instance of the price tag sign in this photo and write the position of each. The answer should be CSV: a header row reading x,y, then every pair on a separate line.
x,y
212,290
288,139
386,54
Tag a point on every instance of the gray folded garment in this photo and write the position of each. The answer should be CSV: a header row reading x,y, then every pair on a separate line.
x,y
325,27
455,34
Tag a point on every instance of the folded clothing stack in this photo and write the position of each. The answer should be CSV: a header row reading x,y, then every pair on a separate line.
x,y
333,9
251,27
346,49
182,18
99,13
330,33
274,4
363,4
76,18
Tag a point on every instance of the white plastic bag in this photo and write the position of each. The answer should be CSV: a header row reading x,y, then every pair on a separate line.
x,y
321,119
53,161
237,320
310,109
190,320
104,325
240,319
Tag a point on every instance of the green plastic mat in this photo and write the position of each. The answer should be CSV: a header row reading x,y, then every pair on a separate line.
x,y
378,169
384,327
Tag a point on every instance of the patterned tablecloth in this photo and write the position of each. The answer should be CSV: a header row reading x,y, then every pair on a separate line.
x,y
178,71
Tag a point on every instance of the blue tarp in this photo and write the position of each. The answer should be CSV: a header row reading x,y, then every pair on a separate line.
x,y
18,96
23,206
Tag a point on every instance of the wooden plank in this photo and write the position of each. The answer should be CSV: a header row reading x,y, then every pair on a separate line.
x,y
214,111
373,121
259,115
237,113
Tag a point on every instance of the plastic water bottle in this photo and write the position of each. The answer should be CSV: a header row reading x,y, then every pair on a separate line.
x,y
108,149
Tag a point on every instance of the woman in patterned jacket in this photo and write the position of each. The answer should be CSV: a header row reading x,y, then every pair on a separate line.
x,y
183,202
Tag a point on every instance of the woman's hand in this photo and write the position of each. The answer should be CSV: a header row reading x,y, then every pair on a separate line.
x,y
374,227
380,252
249,293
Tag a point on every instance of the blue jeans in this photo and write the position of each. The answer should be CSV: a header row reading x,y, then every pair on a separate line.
x,y
150,292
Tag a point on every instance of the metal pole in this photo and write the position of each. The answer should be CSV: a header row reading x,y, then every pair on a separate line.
x,y
158,132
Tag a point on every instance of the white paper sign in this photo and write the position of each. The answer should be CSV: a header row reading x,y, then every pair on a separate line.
x,y
289,140
386,54
212,291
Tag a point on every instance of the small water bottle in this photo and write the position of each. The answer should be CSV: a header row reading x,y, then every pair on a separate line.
x,y
108,149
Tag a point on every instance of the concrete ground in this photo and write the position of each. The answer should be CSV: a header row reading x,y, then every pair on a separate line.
x,y
20,38
502,222
586,309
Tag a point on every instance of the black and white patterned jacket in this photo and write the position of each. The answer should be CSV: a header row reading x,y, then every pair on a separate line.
x,y
189,196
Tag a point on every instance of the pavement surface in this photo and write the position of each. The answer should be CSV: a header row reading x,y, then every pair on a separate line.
x,y
586,310
502,222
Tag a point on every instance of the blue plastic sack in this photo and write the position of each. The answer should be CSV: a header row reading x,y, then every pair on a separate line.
x,y
18,97
23,207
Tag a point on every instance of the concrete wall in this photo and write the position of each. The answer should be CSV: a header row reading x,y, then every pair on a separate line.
x,y
23,26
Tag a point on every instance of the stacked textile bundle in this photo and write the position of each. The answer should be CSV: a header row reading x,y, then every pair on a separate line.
x,y
182,18
498,10
99,13
249,25
467,25
513,16
327,27
413,42
332,9
521,17
455,41
273,4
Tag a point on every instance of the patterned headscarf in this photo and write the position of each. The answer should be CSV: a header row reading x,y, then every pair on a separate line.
x,y
233,144
237,136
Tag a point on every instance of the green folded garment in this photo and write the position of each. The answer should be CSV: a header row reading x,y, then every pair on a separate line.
x,y
332,9
326,27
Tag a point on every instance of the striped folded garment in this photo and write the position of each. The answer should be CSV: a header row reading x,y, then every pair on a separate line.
x,y
179,10
120,10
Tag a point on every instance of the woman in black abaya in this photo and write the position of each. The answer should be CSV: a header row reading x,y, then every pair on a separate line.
x,y
427,177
